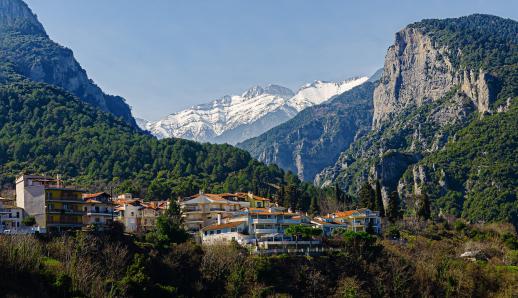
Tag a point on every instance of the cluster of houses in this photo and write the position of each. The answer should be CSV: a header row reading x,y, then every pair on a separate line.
x,y
242,217
250,219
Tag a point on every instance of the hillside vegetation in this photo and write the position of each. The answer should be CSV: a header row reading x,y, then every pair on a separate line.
x,y
44,129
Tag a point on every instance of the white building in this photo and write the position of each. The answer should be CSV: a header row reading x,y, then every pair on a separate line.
x,y
352,220
10,217
262,227
99,210
203,209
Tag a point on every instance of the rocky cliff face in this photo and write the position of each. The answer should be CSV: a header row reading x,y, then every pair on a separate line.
x,y
24,43
14,14
417,70
432,86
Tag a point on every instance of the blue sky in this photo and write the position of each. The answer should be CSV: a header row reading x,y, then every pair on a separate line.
x,y
164,55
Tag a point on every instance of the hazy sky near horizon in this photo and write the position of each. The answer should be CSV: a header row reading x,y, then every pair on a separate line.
x,y
164,55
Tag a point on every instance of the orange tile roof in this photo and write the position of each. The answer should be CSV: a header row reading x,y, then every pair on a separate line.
x,y
222,226
93,195
345,213
155,204
260,198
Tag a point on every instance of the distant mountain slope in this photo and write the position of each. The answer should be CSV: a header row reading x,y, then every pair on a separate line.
x,y
232,119
24,43
44,129
315,137
445,98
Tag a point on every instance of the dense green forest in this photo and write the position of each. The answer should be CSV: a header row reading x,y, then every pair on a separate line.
x,y
44,129
479,170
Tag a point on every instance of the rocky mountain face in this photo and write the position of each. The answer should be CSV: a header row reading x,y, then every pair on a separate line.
x,y
24,43
439,76
232,119
315,137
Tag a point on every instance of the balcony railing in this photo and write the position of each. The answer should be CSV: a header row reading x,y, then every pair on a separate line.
x,y
100,213
66,211
266,231
264,221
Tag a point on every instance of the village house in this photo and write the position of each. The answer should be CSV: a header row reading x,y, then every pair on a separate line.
x,y
136,215
54,206
262,227
202,210
99,210
10,216
353,220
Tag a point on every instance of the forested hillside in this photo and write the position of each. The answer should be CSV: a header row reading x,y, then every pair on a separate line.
x,y
25,44
44,129
444,120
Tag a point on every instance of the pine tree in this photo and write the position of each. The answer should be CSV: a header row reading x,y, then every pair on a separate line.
x,y
379,200
393,210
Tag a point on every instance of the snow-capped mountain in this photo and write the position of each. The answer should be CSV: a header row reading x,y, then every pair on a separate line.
x,y
232,119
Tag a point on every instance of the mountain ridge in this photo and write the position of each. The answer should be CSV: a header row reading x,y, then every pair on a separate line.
x,y
440,77
24,43
234,118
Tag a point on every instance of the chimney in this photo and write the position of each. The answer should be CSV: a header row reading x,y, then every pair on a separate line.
x,y
219,219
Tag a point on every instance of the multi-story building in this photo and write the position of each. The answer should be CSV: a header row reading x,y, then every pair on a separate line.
x,y
203,209
54,206
99,210
137,215
255,201
10,217
264,227
353,220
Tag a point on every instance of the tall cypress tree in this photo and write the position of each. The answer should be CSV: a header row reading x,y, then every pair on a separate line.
x,y
313,207
379,199
393,210
422,206
367,197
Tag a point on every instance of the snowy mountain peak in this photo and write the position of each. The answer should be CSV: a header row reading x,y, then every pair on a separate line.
x,y
270,90
232,119
321,91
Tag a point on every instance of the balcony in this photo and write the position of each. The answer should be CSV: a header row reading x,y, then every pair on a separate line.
x,y
192,210
290,221
66,211
218,210
264,221
266,231
100,213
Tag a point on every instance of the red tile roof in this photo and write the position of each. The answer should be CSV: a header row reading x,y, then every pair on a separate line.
x,y
93,195
222,226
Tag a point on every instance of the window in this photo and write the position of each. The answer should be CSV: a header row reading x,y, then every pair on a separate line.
x,y
233,230
218,232
97,219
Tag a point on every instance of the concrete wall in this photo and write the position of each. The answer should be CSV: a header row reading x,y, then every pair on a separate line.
x,y
32,199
